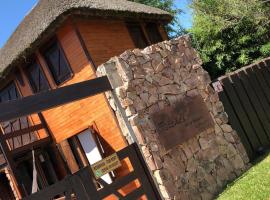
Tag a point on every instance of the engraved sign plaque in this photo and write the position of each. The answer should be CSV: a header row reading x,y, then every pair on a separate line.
x,y
177,124
106,165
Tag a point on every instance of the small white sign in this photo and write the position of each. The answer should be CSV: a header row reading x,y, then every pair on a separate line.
x,y
217,86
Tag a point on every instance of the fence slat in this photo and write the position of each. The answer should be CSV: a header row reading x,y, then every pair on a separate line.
x,y
236,124
117,184
237,105
134,194
258,100
150,191
265,73
254,82
87,179
250,111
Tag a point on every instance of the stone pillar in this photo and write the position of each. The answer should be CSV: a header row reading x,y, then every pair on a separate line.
x,y
147,81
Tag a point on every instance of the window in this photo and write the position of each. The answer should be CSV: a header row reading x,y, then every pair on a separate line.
x,y
57,63
11,93
153,33
87,148
137,35
37,78
46,174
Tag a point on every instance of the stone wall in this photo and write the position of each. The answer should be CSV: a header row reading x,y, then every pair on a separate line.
x,y
146,81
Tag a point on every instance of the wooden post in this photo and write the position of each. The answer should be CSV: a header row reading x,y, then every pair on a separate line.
x,y
11,164
55,147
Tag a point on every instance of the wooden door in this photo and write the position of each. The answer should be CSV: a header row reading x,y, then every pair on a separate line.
x,y
91,150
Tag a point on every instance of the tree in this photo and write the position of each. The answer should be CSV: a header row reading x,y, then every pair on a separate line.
x,y
230,34
174,28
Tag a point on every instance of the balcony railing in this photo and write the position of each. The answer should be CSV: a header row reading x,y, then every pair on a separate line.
x,y
24,133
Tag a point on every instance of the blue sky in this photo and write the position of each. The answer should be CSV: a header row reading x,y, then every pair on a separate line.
x,y
186,17
13,11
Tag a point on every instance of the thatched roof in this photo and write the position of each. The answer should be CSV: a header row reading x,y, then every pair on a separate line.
x,y
47,15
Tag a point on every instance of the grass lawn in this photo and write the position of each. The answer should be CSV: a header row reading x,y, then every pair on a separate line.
x,y
253,185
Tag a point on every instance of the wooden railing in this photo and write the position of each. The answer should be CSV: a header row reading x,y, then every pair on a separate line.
x,y
24,133
83,186
21,135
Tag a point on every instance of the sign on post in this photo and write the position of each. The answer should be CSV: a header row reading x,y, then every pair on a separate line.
x,y
217,86
106,165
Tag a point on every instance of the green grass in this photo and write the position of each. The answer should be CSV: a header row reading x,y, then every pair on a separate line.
x,y
252,185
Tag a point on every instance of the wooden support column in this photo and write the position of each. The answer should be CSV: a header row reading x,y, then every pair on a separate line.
x,y
55,147
71,161
11,164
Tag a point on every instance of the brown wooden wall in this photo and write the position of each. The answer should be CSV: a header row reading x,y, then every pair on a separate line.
x,y
70,119
105,38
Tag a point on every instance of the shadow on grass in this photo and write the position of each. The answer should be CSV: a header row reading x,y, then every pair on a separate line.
x,y
253,163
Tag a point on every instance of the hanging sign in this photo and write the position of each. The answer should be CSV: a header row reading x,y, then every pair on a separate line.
x,y
106,165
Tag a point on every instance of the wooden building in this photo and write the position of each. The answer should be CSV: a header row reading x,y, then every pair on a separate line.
x,y
57,44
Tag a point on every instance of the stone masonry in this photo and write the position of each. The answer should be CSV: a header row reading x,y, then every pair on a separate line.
x,y
144,81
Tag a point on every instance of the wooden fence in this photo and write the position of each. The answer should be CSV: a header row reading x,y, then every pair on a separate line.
x,y
245,95
82,186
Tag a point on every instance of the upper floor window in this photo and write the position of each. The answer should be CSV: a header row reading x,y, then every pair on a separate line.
x,y
9,93
153,33
57,63
137,35
37,78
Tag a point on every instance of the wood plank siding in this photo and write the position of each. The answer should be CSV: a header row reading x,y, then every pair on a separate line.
x,y
86,44
105,38
70,119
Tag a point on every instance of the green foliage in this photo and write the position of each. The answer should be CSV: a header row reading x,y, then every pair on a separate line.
x,y
174,28
230,34
265,49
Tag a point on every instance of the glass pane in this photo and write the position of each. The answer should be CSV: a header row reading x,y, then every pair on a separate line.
x,y
7,94
137,35
153,33
57,63
37,78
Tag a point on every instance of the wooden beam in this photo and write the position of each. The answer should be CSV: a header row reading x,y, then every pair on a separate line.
x,y
53,98
28,147
22,131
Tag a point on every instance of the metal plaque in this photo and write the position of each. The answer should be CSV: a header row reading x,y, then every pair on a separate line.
x,y
187,118
106,165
